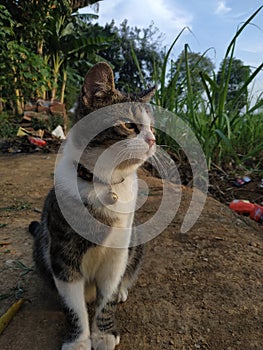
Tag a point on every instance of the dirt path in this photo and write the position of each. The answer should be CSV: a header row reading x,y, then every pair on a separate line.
x,y
200,290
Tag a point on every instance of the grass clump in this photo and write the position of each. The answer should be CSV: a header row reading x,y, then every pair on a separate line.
x,y
226,132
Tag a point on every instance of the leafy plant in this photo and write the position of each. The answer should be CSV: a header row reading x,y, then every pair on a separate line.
x,y
17,264
133,53
224,121
40,42
22,71
8,127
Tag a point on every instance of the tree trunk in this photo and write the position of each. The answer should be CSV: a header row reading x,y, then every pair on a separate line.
x,y
56,65
19,102
53,93
54,87
63,86
40,48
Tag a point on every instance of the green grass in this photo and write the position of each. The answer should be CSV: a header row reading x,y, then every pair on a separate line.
x,y
17,264
24,205
225,135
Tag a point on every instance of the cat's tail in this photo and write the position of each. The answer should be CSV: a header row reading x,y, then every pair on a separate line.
x,y
33,228
39,254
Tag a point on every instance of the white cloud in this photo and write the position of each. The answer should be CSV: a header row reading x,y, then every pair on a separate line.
x,y
167,16
221,8
256,48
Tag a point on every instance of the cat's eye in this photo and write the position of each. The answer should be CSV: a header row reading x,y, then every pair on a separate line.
x,y
131,126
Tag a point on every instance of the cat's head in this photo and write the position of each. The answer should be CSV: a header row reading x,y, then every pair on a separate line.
x,y
99,90
129,141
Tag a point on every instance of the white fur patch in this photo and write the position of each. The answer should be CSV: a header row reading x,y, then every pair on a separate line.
x,y
123,295
104,341
105,267
73,295
82,345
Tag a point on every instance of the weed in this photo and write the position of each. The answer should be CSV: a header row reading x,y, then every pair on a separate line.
x,y
19,265
16,207
18,290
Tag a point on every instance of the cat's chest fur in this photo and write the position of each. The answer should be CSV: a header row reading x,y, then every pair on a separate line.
x,y
122,211
99,260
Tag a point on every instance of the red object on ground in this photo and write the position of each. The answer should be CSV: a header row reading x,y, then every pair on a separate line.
x,y
37,141
255,211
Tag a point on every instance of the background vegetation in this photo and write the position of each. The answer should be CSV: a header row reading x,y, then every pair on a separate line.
x,y
46,47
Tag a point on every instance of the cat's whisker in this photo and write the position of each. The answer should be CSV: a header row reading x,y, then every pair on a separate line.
x,y
124,154
121,156
160,165
157,166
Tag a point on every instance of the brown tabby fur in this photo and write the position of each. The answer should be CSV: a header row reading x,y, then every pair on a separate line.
x,y
59,251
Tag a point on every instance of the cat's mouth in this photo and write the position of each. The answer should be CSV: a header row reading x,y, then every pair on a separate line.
x,y
137,160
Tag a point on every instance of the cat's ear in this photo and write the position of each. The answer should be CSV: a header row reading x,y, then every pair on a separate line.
x,y
146,95
98,83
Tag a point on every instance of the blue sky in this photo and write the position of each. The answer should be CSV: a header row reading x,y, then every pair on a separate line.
x,y
213,23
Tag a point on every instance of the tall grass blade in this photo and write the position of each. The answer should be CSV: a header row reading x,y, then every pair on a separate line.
x,y
135,59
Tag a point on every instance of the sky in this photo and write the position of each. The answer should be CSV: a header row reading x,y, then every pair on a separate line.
x,y
213,23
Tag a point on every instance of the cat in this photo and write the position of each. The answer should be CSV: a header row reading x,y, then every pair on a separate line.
x,y
73,263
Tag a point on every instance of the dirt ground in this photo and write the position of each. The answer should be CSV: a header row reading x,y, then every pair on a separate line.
x,y
199,290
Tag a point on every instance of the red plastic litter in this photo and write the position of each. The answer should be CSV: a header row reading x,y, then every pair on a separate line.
x,y
37,141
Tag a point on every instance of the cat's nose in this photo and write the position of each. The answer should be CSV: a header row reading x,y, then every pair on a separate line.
x,y
150,141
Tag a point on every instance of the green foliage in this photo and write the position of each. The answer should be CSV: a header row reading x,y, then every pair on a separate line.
x,y
167,95
74,81
48,124
213,107
8,126
133,53
71,42
31,18
248,136
40,41
28,70
191,62
20,68
238,74
46,49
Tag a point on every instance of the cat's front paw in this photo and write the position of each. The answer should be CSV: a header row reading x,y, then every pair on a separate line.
x,y
81,345
123,295
102,341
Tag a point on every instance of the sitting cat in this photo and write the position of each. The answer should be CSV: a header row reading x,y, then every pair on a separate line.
x,y
74,263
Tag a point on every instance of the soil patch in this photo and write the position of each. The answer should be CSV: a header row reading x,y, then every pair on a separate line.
x,y
199,290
